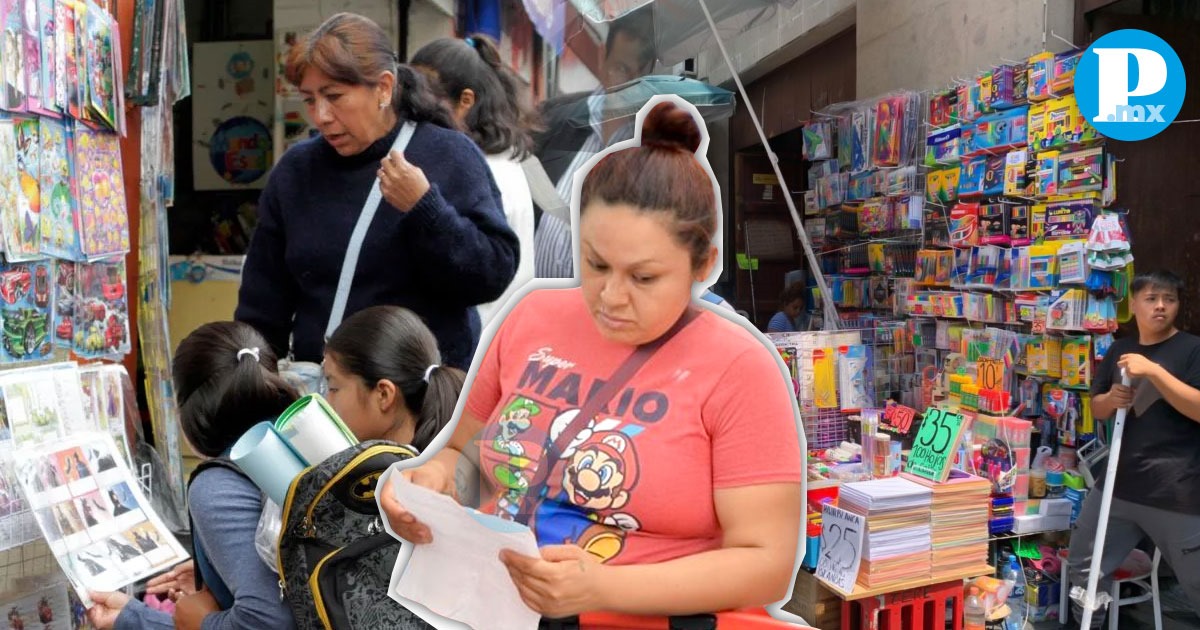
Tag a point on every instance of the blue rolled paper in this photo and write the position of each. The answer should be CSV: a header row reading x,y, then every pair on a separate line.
x,y
268,460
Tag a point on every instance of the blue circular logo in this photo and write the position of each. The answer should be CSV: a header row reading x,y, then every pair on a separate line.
x,y
240,151
1130,85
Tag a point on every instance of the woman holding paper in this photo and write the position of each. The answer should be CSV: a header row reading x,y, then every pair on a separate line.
x,y
438,242
226,381
680,495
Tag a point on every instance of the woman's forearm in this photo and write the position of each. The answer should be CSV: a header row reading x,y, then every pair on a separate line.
x,y
722,579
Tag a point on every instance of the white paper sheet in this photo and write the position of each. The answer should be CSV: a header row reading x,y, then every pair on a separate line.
x,y
459,575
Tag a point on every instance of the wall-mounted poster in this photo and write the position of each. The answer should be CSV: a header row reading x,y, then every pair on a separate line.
x,y
233,85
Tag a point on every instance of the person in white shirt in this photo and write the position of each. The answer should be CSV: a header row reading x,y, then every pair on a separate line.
x,y
485,97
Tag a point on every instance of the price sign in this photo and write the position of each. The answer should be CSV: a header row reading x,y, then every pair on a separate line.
x,y
899,418
936,442
991,373
841,548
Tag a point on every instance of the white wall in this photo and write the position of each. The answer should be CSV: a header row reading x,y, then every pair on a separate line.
x,y
925,44
788,34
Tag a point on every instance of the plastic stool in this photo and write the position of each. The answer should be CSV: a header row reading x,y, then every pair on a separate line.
x,y
914,609
1132,571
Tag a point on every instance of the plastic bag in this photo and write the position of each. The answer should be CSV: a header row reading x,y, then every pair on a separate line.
x,y
266,537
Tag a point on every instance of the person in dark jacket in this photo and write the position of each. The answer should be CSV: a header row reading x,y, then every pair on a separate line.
x,y
439,243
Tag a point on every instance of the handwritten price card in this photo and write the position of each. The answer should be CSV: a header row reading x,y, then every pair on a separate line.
x,y
841,548
936,442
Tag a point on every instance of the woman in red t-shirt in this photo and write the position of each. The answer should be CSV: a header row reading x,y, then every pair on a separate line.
x,y
682,494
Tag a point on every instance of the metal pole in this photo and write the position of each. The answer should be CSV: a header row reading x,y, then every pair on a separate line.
x,y
1114,452
831,317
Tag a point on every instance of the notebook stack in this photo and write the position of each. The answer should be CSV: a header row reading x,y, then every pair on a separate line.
x,y
960,522
897,541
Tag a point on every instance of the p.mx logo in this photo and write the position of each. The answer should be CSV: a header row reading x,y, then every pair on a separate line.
x,y
1130,85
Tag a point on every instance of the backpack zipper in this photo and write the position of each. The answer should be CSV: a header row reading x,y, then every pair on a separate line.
x,y
318,580
283,527
307,526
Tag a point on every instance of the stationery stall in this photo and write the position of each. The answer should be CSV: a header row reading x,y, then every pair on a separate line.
x,y
979,264
85,502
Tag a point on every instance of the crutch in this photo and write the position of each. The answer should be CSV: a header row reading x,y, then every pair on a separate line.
x,y
1090,603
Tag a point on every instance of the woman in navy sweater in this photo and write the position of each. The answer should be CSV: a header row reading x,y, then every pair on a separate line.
x,y
439,243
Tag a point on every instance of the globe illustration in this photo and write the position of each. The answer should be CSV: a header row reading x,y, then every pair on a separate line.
x,y
240,151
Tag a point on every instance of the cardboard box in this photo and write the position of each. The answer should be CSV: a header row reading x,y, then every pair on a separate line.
x,y
814,602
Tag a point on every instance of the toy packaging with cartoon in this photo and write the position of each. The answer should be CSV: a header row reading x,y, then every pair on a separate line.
x,y
101,315
26,303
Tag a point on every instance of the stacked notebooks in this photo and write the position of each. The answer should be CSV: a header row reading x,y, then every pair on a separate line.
x,y
896,545
960,523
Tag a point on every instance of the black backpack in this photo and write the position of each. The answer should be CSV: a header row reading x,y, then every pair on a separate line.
x,y
335,558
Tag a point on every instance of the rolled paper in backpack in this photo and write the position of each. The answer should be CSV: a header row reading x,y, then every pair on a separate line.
x,y
267,459
313,430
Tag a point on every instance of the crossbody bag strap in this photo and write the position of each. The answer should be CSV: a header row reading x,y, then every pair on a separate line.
x,y
620,377
543,191
350,263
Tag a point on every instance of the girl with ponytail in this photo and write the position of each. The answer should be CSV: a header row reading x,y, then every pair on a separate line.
x,y
488,103
226,381
438,243
386,380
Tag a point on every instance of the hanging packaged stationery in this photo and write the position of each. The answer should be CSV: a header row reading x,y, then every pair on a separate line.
x,y
47,100
1014,172
1047,173
102,99
942,146
1039,72
941,186
1066,310
1062,71
60,210
1081,171
101,313
860,156
1069,219
104,221
993,224
23,220
26,301
1072,266
1000,131
862,186
993,176
964,225
817,140
66,300
853,381
1064,124
942,109
1043,267
970,181
825,392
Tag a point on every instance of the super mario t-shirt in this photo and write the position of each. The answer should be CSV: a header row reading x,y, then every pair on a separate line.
x,y
710,410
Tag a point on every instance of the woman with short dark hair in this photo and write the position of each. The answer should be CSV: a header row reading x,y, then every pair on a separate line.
x,y
438,245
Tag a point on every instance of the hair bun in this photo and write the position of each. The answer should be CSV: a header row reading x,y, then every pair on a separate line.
x,y
670,126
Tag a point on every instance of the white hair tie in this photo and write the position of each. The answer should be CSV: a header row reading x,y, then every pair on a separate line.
x,y
250,351
429,370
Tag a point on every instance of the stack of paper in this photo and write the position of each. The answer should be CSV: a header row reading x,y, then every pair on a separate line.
x,y
897,542
960,523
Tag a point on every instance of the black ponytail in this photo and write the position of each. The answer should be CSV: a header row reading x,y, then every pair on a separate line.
x,y
392,343
413,99
502,120
222,391
439,398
